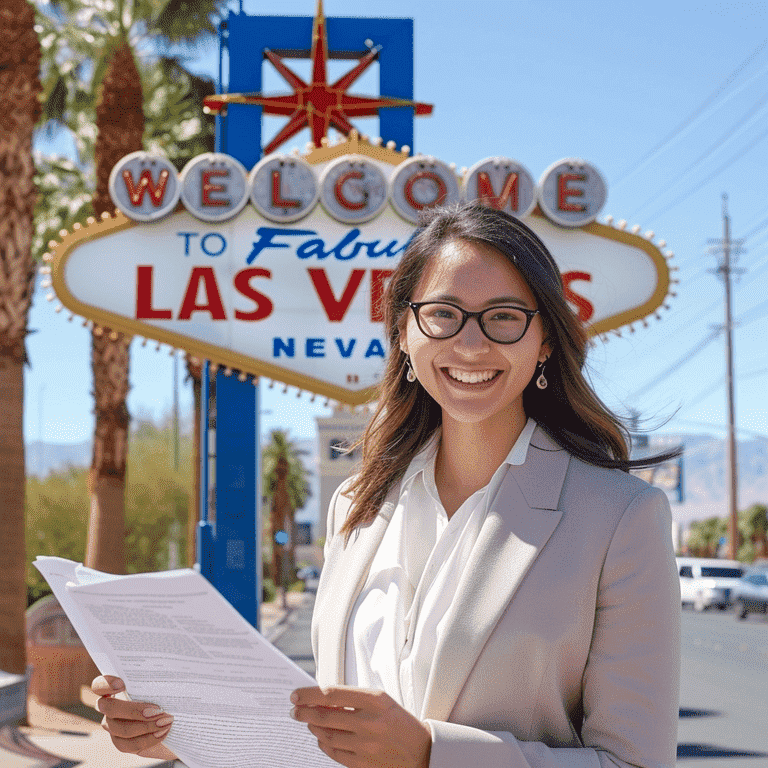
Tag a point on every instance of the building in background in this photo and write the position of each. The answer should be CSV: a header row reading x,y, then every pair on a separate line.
x,y
335,434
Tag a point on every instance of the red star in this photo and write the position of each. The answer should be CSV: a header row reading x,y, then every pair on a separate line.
x,y
316,105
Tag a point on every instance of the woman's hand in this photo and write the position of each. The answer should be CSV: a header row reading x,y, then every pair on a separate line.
x,y
363,729
136,727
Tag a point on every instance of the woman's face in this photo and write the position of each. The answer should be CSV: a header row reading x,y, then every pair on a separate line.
x,y
472,378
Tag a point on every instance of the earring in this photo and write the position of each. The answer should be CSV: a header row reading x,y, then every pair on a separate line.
x,y
410,375
541,382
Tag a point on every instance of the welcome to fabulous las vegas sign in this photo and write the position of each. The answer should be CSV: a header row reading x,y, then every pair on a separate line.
x,y
279,272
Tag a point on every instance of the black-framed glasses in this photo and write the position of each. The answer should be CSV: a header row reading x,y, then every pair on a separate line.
x,y
502,325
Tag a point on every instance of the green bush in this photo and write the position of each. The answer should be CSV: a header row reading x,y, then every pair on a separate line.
x,y
157,504
268,591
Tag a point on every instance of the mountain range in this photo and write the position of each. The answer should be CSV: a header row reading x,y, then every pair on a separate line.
x,y
705,472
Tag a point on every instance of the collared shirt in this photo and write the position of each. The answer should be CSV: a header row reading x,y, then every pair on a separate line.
x,y
399,616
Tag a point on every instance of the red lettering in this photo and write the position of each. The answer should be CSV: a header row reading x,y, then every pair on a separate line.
x,y
341,198
378,276
263,303
585,307
206,188
277,198
144,308
488,197
335,308
441,191
206,277
564,192
146,184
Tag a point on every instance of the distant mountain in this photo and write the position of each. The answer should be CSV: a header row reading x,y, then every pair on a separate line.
x,y
704,467
42,459
705,475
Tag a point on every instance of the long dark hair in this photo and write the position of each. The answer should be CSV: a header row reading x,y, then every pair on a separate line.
x,y
406,417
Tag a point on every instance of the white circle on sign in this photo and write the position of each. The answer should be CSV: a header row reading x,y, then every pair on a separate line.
x,y
214,186
144,187
283,188
503,184
422,182
353,189
572,192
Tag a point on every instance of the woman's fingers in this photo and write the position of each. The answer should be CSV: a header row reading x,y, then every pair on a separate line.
x,y
130,729
128,710
140,744
107,685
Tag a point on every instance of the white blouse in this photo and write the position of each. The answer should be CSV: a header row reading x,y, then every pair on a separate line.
x,y
399,615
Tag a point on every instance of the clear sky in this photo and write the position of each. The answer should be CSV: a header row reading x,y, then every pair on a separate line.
x,y
668,99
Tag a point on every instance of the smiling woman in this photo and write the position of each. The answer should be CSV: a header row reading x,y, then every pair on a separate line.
x,y
497,589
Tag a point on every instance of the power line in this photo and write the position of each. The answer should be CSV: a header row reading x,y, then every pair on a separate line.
x,y
739,126
758,228
697,187
694,116
687,357
743,430
761,309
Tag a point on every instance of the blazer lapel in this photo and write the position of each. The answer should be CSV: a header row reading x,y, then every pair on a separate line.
x,y
345,581
519,522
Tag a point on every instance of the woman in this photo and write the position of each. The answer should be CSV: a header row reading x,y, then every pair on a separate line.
x,y
497,591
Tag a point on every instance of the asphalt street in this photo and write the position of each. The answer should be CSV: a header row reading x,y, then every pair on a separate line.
x,y
724,691
724,688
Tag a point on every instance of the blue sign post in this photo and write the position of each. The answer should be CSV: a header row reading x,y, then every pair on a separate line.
x,y
229,531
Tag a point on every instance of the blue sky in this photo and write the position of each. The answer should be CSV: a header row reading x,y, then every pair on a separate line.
x,y
669,100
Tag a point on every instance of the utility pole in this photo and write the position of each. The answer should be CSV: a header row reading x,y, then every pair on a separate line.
x,y
724,269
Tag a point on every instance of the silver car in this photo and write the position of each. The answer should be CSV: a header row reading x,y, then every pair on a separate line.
x,y
750,595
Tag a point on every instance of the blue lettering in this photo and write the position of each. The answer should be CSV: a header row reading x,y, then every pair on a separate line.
x,y
345,351
375,349
312,248
389,250
288,346
205,239
265,239
315,347
346,240
186,236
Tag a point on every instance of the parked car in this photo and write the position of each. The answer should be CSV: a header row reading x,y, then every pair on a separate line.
x,y
750,595
707,583
310,575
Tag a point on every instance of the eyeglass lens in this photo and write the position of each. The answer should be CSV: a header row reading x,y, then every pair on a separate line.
x,y
502,324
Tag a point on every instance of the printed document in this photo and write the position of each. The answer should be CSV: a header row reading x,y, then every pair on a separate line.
x,y
176,642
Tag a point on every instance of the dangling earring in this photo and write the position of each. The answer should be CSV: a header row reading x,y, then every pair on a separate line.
x,y
410,375
541,382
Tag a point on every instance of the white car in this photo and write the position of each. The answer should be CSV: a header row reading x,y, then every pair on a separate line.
x,y
708,582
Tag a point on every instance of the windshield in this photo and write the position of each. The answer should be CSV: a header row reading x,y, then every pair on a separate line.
x,y
723,573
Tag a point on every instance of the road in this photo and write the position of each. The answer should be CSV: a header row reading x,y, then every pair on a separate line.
x,y
724,689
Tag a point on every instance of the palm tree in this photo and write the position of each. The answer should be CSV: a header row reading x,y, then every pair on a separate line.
x,y
19,111
285,484
120,129
753,525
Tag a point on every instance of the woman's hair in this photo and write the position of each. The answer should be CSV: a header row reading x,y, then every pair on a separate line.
x,y
406,416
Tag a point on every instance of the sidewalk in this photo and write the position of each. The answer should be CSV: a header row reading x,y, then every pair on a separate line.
x,y
56,738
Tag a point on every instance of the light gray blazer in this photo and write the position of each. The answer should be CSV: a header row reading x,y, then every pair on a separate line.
x,y
562,646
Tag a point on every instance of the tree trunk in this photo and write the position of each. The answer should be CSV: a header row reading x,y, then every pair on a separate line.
x,y
13,589
195,373
280,506
19,111
120,125
106,527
